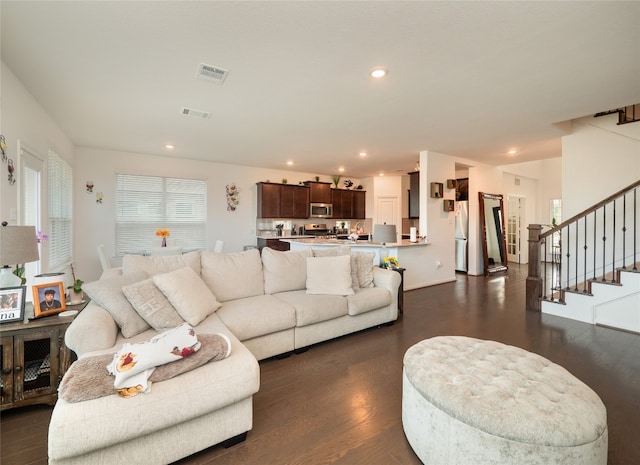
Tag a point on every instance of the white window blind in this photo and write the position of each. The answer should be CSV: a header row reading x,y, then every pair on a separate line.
x,y
147,203
59,179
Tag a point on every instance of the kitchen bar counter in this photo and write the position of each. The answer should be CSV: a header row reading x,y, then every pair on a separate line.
x,y
410,255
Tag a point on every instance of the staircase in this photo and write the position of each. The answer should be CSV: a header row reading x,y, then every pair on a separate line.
x,y
587,268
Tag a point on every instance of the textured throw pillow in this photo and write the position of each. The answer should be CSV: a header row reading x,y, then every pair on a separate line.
x,y
108,294
284,271
152,305
364,268
329,275
232,276
188,294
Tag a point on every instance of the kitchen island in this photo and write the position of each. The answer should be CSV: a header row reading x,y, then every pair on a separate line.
x,y
411,255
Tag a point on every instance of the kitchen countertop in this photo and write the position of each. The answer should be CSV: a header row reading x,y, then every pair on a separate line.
x,y
284,236
333,242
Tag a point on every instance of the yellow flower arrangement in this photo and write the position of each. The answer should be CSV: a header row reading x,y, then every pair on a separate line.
x,y
163,233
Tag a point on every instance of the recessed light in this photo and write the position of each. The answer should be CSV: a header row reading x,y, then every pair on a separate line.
x,y
378,73
341,169
290,163
512,152
363,154
381,174
169,146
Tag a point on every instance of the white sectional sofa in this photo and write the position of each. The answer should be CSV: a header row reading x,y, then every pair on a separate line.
x,y
267,305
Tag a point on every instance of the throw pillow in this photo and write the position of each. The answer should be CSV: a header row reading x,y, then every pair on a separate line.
x,y
329,275
108,294
232,276
188,294
284,271
364,268
152,305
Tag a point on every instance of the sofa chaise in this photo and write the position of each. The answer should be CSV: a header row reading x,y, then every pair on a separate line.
x,y
267,305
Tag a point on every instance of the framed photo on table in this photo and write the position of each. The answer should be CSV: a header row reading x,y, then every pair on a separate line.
x,y
12,304
48,299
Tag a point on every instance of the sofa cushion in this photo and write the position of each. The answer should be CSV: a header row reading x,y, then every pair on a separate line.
x,y
284,271
155,265
312,309
233,276
108,294
152,305
256,316
365,300
187,292
329,275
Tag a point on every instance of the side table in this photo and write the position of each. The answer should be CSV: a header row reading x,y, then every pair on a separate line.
x,y
34,359
400,289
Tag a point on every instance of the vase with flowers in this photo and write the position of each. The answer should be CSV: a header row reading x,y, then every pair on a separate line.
x,y
163,233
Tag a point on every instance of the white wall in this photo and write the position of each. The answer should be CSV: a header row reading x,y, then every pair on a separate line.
x,y
22,118
598,159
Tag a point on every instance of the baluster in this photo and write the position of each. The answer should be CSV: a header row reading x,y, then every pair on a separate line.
x,y
544,269
567,286
586,247
635,230
604,240
577,235
595,244
624,232
613,250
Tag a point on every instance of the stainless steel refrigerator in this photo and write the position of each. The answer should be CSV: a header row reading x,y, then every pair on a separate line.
x,y
462,233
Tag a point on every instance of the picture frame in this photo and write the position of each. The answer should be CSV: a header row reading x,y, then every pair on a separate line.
x,y
12,304
48,299
391,263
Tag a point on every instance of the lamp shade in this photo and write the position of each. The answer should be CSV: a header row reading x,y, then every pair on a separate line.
x,y
385,233
18,245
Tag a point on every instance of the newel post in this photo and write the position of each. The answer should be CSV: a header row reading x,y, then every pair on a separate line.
x,y
534,281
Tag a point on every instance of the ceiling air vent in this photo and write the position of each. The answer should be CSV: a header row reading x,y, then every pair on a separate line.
x,y
211,73
195,113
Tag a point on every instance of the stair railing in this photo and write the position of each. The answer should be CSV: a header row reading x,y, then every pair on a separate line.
x,y
592,246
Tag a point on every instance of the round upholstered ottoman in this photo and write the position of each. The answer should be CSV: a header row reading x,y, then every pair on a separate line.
x,y
469,401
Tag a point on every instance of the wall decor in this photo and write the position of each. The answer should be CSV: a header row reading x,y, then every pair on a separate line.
x,y
99,197
11,169
48,299
232,197
3,148
89,186
12,304
436,190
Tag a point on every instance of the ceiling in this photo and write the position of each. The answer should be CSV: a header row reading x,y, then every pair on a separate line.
x,y
469,79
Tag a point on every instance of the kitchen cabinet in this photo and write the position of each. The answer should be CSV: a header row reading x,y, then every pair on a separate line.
x,y
34,359
319,192
282,200
348,204
275,244
414,194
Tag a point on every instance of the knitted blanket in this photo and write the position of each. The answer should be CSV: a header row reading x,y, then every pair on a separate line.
x,y
88,378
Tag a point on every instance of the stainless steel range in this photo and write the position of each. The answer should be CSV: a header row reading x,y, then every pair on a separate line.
x,y
316,229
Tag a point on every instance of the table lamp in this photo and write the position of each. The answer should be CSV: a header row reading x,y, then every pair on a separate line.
x,y
384,233
18,245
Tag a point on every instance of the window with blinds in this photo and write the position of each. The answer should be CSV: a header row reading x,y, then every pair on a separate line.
x,y
147,203
59,177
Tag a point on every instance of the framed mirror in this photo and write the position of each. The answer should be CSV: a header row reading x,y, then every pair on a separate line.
x,y
494,246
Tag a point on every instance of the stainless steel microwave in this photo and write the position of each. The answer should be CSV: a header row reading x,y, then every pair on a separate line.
x,y
320,210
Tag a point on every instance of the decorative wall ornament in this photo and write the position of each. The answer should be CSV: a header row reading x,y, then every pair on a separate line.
x,y
89,186
3,148
232,197
99,197
11,169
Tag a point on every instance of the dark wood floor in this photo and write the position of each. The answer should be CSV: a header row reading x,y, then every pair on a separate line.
x,y
340,402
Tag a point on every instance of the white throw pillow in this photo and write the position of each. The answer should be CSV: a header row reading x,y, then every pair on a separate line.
x,y
329,275
189,295
232,276
156,265
284,271
364,268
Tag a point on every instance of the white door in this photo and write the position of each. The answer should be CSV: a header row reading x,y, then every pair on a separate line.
x,y
515,214
388,211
